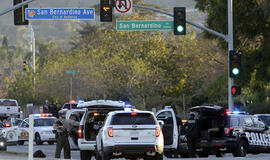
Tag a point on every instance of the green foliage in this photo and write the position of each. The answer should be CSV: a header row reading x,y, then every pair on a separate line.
x,y
251,35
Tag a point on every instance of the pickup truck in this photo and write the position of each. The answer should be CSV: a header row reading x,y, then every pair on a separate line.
x,y
9,108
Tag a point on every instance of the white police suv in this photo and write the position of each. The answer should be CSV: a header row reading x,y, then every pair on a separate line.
x,y
130,134
43,130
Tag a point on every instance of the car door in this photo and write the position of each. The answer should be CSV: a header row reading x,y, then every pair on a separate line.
x,y
23,131
169,129
73,137
262,134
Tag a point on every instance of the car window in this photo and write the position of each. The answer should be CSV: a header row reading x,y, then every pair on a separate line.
x,y
24,125
265,119
68,105
258,123
8,103
133,118
44,122
232,122
248,122
164,115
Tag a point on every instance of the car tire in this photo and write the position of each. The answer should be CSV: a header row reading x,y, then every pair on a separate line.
x,y
50,142
85,154
103,154
203,154
168,154
20,143
158,156
220,154
241,149
38,139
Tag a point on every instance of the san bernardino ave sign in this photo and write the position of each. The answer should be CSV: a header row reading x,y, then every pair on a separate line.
x,y
144,25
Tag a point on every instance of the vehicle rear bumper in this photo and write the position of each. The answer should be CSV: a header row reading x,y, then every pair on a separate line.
x,y
86,145
225,144
133,149
47,137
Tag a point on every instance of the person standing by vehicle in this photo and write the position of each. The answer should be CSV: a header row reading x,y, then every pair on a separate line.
x,y
191,130
63,127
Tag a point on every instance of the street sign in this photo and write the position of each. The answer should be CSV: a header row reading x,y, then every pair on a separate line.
x,y
123,6
70,72
59,13
144,25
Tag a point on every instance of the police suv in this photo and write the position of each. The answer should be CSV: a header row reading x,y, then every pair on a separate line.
x,y
43,130
92,120
221,131
130,134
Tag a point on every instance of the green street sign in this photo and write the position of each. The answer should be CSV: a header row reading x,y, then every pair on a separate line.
x,y
70,72
144,25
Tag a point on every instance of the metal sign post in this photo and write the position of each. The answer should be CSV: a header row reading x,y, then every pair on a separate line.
x,y
31,137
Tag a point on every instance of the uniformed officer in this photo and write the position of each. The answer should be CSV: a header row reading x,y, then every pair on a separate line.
x,y
63,127
192,131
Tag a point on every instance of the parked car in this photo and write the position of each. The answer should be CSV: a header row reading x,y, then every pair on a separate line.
x,y
222,131
9,108
94,116
43,130
130,134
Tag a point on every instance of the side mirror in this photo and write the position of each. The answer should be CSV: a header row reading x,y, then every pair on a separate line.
x,y
161,123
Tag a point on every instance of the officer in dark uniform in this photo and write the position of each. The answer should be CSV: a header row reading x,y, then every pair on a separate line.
x,y
63,127
192,131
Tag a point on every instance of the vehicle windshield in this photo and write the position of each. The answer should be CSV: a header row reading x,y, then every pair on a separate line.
x,y
265,119
133,118
44,122
67,106
7,103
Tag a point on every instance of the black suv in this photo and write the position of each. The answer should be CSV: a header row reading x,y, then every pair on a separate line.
x,y
221,132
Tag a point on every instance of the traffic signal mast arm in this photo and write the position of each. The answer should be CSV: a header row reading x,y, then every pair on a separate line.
x,y
15,7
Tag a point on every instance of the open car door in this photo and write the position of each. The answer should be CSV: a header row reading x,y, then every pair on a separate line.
x,y
73,136
169,128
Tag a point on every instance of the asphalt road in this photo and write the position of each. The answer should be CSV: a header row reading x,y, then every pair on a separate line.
x,y
21,153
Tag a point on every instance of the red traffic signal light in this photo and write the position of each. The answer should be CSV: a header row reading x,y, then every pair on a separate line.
x,y
179,20
236,90
235,63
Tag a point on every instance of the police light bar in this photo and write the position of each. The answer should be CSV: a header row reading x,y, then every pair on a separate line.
x,y
43,115
72,101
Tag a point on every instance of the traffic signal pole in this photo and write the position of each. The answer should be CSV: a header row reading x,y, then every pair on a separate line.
x,y
228,38
230,47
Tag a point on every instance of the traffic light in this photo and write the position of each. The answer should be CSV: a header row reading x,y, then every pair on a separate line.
x,y
236,90
19,14
235,63
179,19
105,11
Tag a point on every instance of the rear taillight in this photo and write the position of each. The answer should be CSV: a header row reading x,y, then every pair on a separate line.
x,y
110,131
157,131
80,131
7,125
19,109
228,130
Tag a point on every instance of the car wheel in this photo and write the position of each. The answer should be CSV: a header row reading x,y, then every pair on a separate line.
x,y
202,155
103,154
241,149
21,143
85,154
158,156
50,142
220,154
38,139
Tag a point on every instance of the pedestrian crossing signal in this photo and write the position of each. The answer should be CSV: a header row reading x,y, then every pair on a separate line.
x,y
236,90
